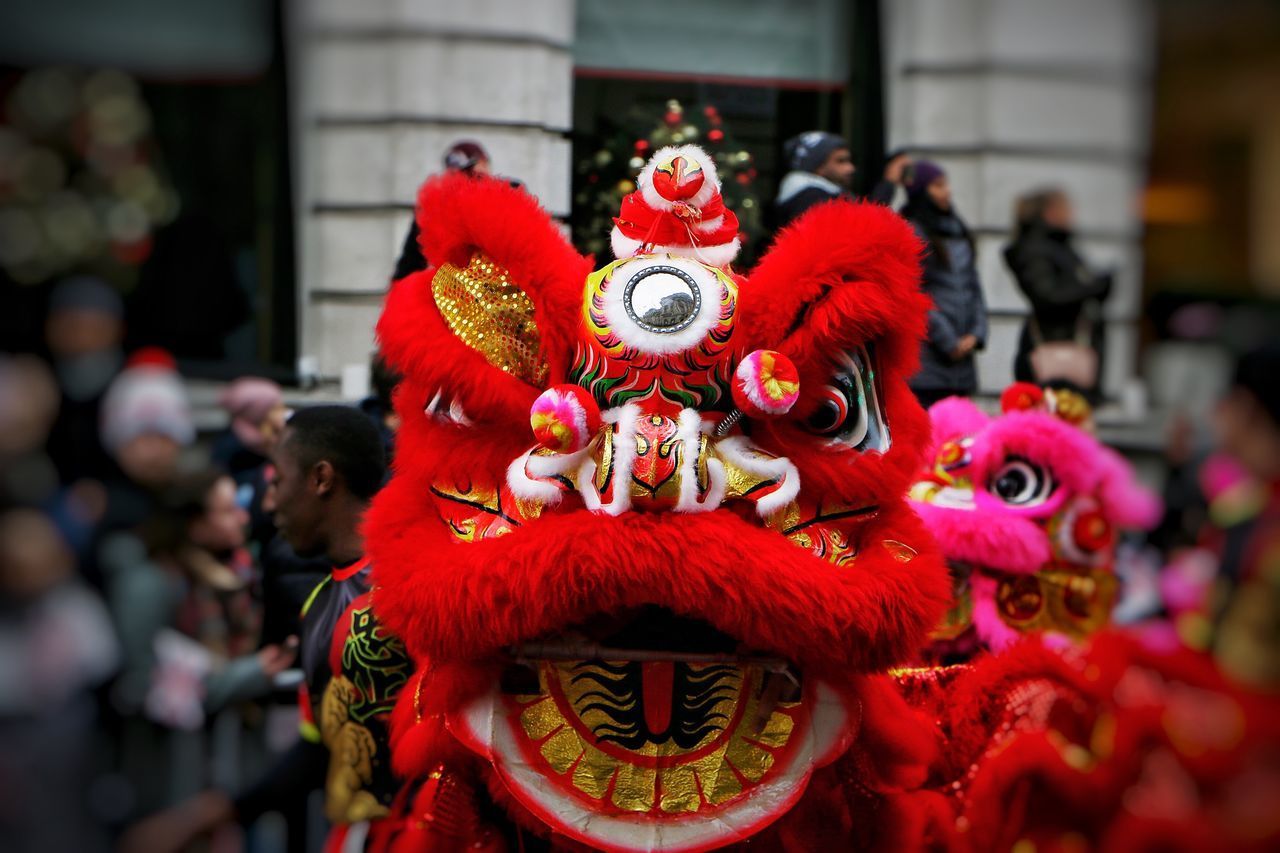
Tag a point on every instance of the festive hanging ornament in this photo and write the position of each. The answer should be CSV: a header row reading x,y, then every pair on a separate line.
x,y
564,418
715,135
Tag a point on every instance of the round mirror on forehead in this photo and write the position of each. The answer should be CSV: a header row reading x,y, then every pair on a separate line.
x,y
662,299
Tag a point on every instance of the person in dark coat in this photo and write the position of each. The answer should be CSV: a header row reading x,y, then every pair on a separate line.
x,y
958,319
465,156
1065,294
822,169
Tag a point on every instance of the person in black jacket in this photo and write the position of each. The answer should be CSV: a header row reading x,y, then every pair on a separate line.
x,y
822,169
464,156
958,319
1065,294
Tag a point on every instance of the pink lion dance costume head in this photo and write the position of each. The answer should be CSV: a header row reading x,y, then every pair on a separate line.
x,y
1026,507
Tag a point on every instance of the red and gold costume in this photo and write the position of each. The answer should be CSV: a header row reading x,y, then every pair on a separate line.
x,y
647,540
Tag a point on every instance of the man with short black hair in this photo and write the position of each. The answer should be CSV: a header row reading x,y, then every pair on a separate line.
x,y
328,465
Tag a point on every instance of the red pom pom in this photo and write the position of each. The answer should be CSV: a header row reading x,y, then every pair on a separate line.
x,y
766,384
565,418
1091,531
152,357
1021,397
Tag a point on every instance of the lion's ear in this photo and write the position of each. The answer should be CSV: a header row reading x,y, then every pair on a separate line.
x,y
485,309
493,320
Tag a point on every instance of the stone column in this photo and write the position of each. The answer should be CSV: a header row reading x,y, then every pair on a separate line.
x,y
380,89
1011,95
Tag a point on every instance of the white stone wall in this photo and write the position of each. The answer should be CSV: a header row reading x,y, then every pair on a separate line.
x,y
1010,95
381,88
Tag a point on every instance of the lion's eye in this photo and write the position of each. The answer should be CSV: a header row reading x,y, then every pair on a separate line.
x,y
831,414
850,411
1020,482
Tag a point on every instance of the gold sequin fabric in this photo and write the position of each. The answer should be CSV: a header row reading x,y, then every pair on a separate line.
x,y
489,312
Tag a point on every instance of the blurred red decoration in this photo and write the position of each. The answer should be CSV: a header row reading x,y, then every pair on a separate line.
x,y
715,135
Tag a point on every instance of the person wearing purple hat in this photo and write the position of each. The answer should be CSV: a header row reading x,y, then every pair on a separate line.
x,y
958,320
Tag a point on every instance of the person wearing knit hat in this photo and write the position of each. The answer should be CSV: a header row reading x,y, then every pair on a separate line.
x,y
146,418
468,156
958,319
821,168
257,411
465,156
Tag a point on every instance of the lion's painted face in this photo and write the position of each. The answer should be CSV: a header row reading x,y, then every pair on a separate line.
x,y
656,506
1026,507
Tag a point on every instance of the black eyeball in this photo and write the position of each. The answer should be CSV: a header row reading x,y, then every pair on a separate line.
x,y
830,415
1022,483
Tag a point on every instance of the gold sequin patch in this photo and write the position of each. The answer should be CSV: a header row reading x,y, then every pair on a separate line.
x,y
491,314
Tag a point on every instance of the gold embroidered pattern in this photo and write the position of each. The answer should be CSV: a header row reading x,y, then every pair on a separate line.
x,y
491,314
578,726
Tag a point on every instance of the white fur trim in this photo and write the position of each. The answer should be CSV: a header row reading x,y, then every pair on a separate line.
x,y
710,225
615,309
689,432
739,451
626,419
713,256
710,183
523,484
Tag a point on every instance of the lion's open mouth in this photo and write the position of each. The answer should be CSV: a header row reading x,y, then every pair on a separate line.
x,y
654,732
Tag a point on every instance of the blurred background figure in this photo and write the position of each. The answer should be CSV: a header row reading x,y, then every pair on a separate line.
x,y
1063,337
180,587
466,157
1247,607
56,647
958,320
83,333
28,409
146,423
258,412
379,405
822,168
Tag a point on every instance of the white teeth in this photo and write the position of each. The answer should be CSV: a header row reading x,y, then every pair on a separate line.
x,y
453,413
457,415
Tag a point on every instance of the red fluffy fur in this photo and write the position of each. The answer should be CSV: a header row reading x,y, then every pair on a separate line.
x,y
464,601
843,274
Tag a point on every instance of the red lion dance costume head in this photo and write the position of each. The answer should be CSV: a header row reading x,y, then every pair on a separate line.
x,y
646,538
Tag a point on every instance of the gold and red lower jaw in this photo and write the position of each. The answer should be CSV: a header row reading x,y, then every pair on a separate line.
x,y
657,754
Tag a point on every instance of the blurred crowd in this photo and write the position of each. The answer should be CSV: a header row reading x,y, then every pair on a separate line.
x,y
151,608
